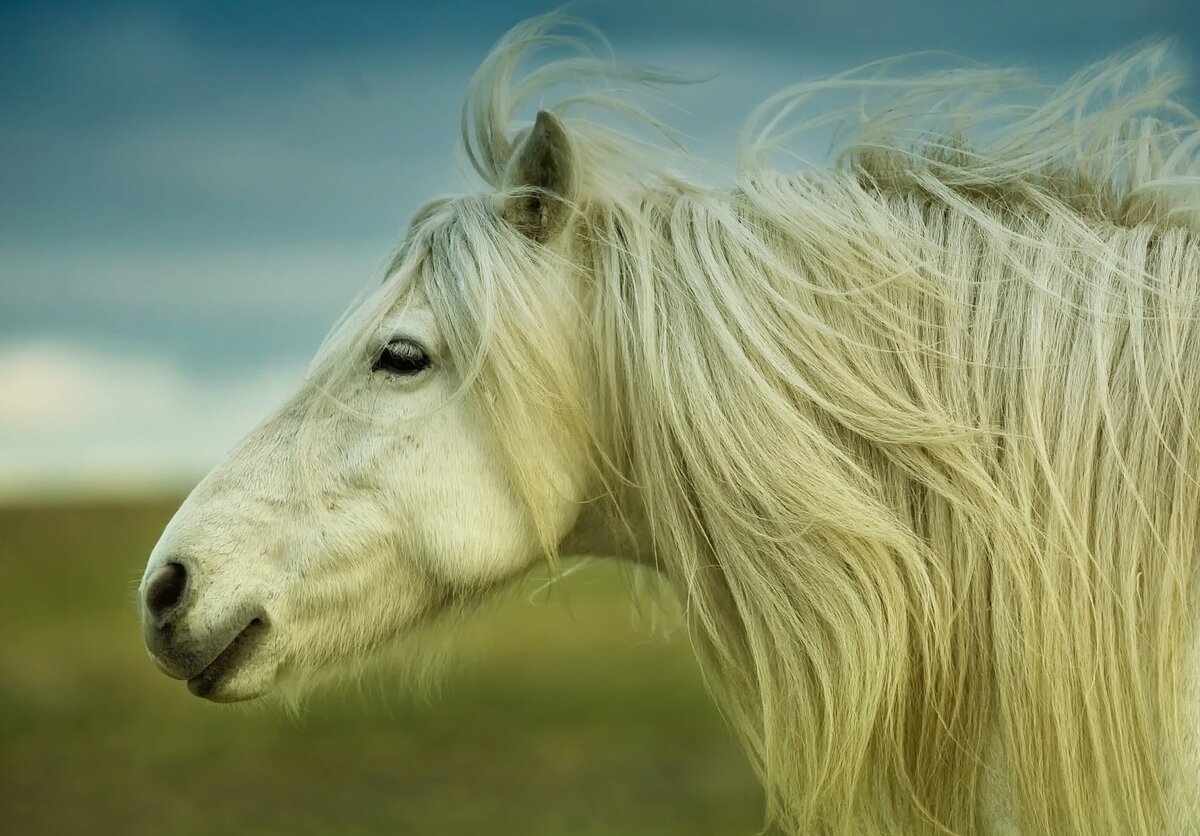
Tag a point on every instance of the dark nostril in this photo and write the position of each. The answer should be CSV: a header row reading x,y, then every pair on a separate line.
x,y
166,588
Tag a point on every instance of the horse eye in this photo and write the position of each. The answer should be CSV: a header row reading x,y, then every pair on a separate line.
x,y
403,357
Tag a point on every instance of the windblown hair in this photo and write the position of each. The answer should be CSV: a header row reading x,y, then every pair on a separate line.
x,y
912,433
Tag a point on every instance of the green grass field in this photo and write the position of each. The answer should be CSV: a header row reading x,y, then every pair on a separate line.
x,y
565,715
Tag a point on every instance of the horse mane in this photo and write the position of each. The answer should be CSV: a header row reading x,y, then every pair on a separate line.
x,y
912,433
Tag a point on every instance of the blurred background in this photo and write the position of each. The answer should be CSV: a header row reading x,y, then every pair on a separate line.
x,y
190,194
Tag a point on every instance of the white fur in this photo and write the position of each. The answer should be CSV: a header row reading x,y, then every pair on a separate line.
x,y
912,439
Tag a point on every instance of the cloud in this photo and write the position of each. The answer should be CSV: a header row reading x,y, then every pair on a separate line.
x,y
80,417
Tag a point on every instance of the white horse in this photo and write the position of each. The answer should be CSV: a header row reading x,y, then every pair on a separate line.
x,y
911,437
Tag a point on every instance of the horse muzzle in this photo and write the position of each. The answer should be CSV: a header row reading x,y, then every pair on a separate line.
x,y
220,659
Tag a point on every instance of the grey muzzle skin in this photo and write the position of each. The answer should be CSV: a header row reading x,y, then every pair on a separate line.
x,y
204,661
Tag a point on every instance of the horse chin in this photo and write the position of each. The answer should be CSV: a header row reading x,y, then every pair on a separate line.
x,y
240,685
241,672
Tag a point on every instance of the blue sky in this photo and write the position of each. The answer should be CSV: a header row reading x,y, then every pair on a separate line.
x,y
192,192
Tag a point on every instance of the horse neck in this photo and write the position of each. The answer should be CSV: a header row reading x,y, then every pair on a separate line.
x,y
610,528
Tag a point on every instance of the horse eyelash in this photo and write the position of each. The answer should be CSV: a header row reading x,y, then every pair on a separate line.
x,y
411,360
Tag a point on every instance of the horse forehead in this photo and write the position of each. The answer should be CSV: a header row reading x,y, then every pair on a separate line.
x,y
412,314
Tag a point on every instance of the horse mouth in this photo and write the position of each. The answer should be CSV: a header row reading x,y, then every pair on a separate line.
x,y
207,683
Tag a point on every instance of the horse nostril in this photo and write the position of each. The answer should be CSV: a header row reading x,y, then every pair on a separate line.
x,y
165,588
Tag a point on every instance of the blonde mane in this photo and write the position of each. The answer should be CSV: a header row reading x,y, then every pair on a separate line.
x,y
911,434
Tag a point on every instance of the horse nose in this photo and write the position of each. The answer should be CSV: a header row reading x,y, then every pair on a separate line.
x,y
164,590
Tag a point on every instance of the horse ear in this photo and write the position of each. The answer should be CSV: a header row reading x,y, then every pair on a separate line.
x,y
542,176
